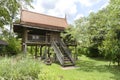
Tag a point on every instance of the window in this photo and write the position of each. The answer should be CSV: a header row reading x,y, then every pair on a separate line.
x,y
33,36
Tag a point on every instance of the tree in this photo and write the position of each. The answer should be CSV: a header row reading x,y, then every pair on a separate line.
x,y
69,35
9,9
100,32
91,32
81,30
111,45
4,14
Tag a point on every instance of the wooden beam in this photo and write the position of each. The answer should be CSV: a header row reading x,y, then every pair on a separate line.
x,y
48,51
31,51
41,50
76,53
36,51
24,40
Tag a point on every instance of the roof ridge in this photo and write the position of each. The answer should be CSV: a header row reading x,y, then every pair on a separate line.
x,y
44,14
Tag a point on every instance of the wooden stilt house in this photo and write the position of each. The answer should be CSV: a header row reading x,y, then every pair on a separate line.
x,y
40,31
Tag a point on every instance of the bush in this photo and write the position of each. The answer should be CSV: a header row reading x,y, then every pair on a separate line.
x,y
93,51
2,50
13,47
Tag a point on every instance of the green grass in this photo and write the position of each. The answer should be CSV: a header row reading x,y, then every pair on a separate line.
x,y
89,69
19,69
29,69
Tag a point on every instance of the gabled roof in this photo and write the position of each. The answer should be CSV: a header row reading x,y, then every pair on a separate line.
x,y
41,20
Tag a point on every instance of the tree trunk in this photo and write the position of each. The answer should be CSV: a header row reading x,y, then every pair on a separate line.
x,y
10,32
11,25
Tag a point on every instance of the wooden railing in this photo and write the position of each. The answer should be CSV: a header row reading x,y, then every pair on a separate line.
x,y
58,53
36,38
67,51
71,43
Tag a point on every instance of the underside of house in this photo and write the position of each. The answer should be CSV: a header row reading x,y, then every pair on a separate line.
x,y
41,33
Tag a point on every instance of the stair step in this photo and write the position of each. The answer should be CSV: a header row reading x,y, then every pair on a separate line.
x,y
66,59
66,65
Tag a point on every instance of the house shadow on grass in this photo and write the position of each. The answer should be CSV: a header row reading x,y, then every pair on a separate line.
x,y
90,66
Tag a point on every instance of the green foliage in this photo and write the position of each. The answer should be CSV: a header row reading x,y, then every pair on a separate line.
x,y
4,16
2,50
81,31
24,68
68,35
19,69
13,47
99,32
9,10
111,47
8,13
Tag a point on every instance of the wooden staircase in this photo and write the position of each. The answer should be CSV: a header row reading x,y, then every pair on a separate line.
x,y
62,53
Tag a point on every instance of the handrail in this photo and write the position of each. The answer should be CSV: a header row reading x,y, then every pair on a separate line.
x,y
64,46
66,50
58,53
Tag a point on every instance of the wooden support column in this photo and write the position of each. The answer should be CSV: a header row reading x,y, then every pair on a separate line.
x,y
24,40
76,53
46,41
36,51
55,58
44,56
31,51
41,51
48,51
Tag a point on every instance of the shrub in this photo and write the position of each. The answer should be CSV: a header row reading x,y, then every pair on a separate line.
x,y
13,47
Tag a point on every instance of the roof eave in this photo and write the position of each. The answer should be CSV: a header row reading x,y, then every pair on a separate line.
x,y
36,27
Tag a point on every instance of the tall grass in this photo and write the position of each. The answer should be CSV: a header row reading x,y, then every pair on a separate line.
x,y
23,69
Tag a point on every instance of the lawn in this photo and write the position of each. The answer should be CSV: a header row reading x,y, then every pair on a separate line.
x,y
32,69
87,69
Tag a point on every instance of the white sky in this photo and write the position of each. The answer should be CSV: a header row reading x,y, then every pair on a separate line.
x,y
74,9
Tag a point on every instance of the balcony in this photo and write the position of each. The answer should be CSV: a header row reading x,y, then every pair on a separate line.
x,y
36,38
